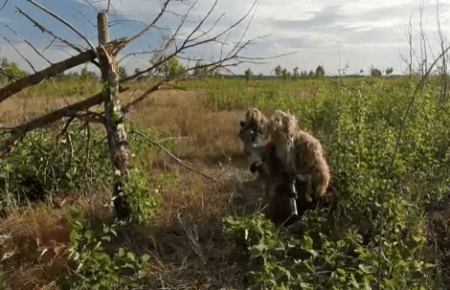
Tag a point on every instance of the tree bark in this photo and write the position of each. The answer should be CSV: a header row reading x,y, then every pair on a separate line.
x,y
114,118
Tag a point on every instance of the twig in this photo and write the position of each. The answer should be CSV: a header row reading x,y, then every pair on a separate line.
x,y
90,4
64,129
121,21
13,46
50,44
82,14
139,53
148,27
4,5
174,157
48,11
88,139
27,42
126,108
107,7
45,30
156,87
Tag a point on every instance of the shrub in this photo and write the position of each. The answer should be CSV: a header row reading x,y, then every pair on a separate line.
x,y
41,164
94,266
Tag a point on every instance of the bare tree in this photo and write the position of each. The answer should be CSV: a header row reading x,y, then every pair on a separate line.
x,y
409,37
179,41
423,43
444,60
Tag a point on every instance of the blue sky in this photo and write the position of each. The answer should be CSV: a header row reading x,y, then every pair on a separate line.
x,y
362,32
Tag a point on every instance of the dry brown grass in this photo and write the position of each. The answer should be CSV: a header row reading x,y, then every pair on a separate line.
x,y
189,248
16,110
207,133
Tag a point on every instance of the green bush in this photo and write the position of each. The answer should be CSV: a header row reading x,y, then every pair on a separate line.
x,y
42,163
96,267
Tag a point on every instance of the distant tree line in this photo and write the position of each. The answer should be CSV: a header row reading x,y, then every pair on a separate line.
x,y
284,74
172,67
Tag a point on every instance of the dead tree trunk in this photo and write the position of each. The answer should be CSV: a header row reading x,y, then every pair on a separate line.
x,y
114,118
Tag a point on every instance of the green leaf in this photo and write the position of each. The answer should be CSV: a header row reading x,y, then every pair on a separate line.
x,y
367,269
89,234
106,238
131,256
120,252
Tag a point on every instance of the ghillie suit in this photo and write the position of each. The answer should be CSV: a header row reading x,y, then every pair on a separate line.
x,y
285,191
254,135
300,153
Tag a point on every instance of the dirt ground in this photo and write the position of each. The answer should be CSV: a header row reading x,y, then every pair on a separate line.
x,y
188,246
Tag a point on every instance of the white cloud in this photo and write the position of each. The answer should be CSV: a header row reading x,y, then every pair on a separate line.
x,y
368,32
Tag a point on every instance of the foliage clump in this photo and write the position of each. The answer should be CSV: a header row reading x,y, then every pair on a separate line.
x,y
96,266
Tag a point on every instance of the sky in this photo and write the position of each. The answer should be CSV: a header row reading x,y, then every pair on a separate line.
x,y
347,36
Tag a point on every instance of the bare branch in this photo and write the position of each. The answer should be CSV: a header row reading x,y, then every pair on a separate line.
x,y
211,28
50,44
64,129
88,117
443,55
223,32
121,21
107,7
190,42
202,21
13,46
27,42
52,70
156,87
138,53
4,5
90,4
45,30
48,11
73,110
151,25
176,158
183,19
82,14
